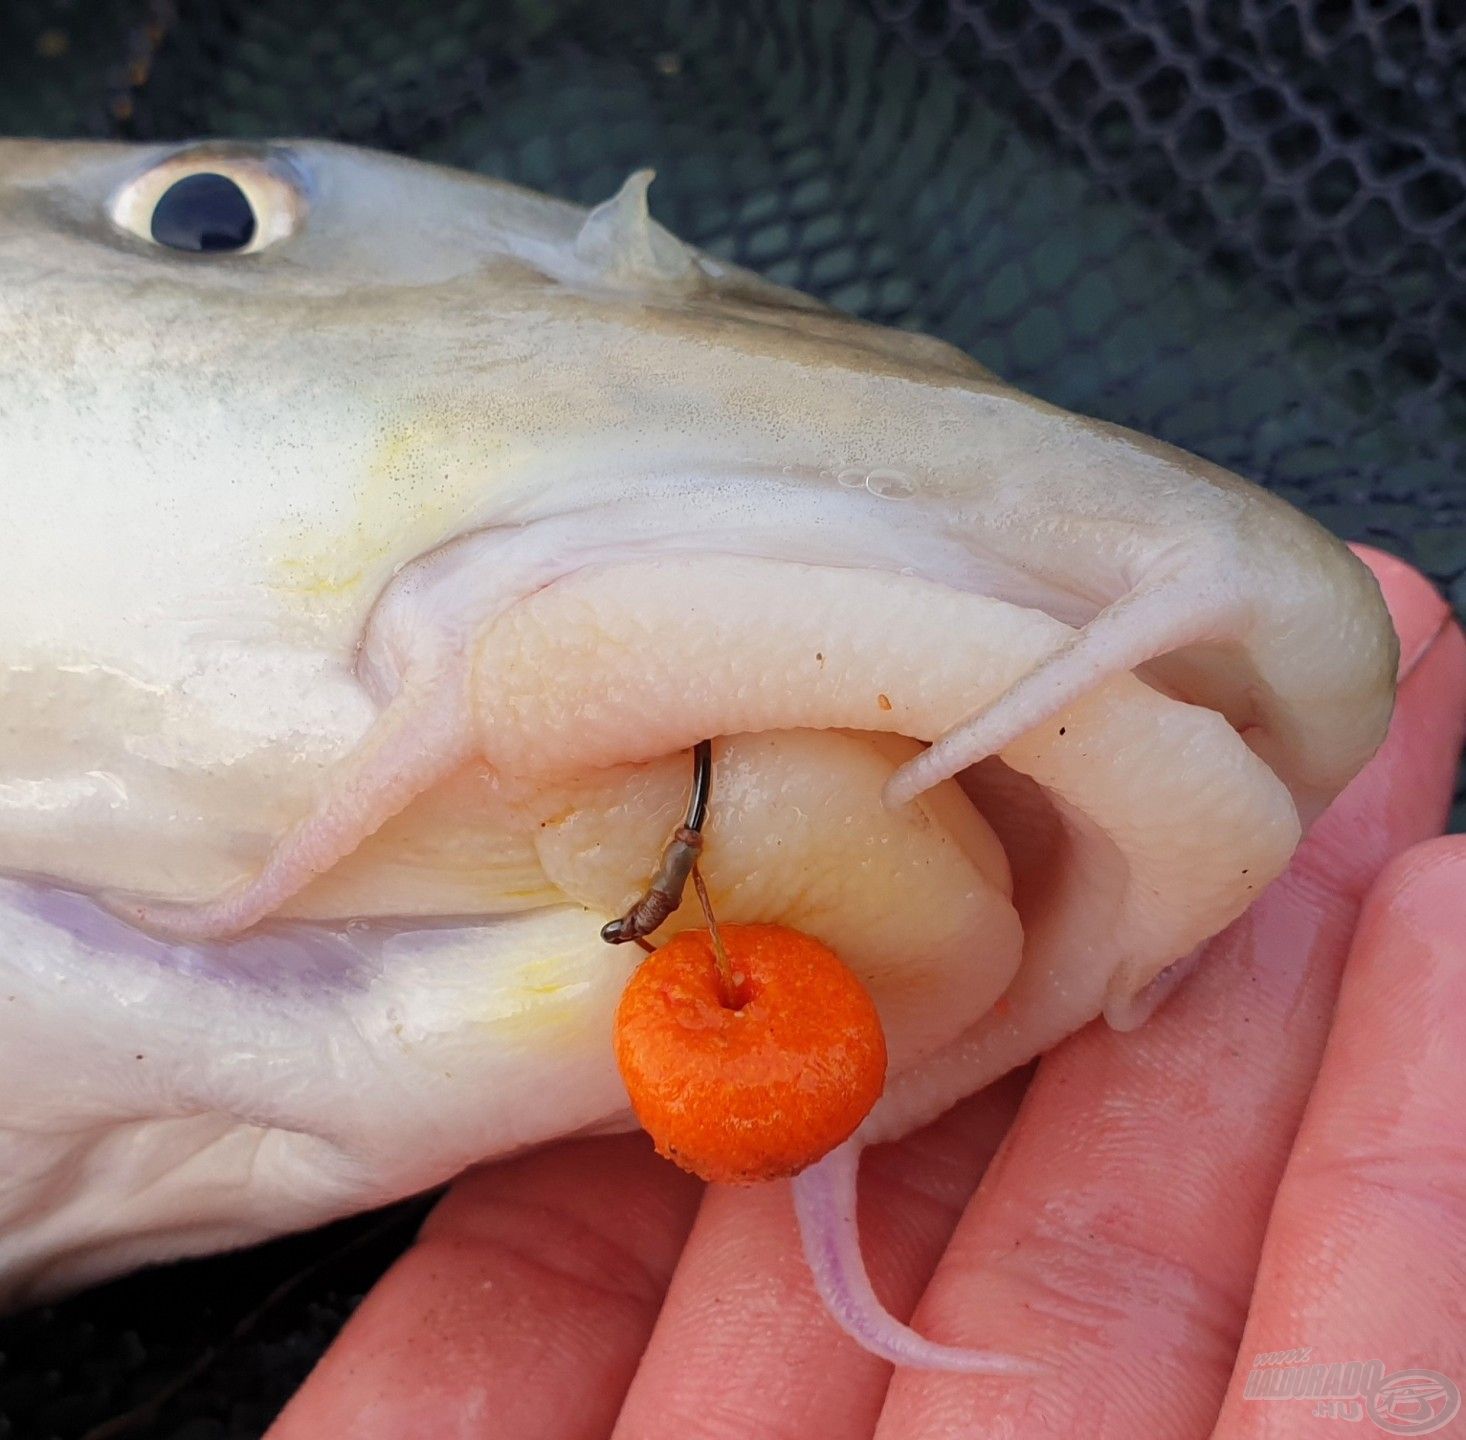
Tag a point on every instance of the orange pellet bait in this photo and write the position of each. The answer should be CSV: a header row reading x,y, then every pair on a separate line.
x,y
760,1082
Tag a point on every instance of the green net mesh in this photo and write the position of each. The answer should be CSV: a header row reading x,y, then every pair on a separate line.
x,y
1236,224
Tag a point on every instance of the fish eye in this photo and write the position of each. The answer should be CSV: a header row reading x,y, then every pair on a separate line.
x,y
203,212
209,202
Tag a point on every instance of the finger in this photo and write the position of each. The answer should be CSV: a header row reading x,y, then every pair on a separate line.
x,y
744,1346
1365,1258
521,1310
1115,1238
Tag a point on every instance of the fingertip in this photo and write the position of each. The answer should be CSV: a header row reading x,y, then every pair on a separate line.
x,y
1418,610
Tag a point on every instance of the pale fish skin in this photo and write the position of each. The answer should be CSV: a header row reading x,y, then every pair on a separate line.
x,y
363,593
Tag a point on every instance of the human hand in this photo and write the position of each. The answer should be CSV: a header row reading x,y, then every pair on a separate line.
x,y
1276,1161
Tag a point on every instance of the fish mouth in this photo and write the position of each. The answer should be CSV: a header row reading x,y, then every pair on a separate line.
x,y
542,685
337,1052
431,989
539,682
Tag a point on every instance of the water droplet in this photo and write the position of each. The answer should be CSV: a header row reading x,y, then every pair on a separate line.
x,y
851,479
889,484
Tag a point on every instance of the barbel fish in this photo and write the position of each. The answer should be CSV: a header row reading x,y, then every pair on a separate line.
x,y
378,541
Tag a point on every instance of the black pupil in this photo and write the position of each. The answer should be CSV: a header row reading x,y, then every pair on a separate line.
x,y
203,212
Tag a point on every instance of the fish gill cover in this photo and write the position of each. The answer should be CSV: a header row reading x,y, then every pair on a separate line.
x,y
1239,225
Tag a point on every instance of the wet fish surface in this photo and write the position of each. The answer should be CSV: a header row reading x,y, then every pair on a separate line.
x,y
369,577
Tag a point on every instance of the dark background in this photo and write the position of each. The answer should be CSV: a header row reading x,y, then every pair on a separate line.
x,y
1236,224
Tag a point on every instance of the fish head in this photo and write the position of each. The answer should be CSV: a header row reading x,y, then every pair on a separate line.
x,y
382,540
